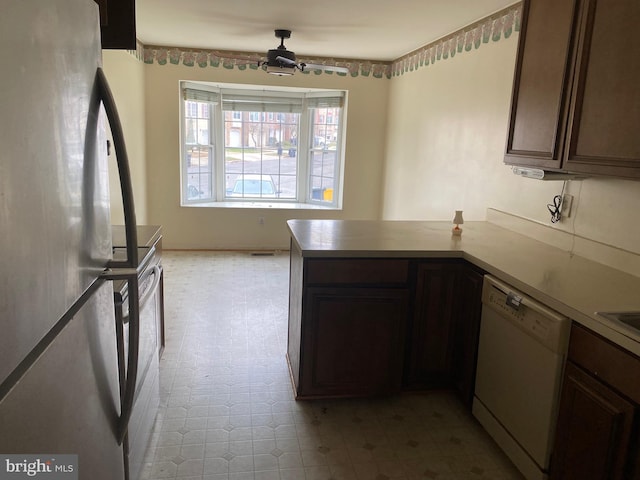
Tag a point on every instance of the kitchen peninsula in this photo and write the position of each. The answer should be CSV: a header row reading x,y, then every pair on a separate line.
x,y
360,291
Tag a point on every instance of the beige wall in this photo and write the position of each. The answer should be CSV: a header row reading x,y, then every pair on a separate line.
x,y
436,148
125,75
446,135
239,228
445,142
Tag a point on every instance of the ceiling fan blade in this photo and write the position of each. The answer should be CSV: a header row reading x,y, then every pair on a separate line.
x,y
326,68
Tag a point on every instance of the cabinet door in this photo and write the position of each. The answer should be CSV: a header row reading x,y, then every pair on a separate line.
x,y
431,335
593,432
606,98
352,341
468,310
541,83
118,24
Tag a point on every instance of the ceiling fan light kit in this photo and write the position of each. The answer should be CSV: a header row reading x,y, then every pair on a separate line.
x,y
281,61
281,71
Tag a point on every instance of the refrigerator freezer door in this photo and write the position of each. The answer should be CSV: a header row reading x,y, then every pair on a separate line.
x,y
54,191
68,402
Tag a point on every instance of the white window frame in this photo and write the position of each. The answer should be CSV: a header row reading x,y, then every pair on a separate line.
x,y
205,92
304,194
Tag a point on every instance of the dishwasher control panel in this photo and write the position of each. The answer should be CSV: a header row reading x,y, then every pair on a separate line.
x,y
537,320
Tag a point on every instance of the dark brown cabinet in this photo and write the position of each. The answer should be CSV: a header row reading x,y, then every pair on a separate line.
x,y
594,429
118,24
431,336
347,324
539,105
372,326
445,325
605,107
353,341
467,314
597,429
575,104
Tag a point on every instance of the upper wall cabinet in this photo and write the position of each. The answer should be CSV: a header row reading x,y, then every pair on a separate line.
x,y
118,24
541,84
576,101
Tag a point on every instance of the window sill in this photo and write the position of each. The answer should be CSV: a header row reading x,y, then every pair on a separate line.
x,y
263,205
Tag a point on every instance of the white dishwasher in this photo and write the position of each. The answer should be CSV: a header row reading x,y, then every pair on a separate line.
x,y
520,360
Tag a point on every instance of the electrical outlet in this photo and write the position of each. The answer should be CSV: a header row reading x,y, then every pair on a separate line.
x,y
567,202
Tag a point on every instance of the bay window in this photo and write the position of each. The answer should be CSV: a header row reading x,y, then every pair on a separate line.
x,y
260,145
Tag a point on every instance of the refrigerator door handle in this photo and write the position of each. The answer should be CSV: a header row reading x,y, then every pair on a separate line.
x,y
106,97
132,361
131,263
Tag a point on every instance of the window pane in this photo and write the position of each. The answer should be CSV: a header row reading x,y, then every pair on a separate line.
x,y
199,169
323,152
198,148
190,130
260,154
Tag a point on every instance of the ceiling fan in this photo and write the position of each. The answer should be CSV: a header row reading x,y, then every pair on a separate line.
x,y
281,61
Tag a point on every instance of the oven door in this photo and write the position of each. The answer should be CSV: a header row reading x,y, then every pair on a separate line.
x,y
149,285
147,392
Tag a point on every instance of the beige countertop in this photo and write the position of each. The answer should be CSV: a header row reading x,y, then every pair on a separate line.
x,y
147,235
572,285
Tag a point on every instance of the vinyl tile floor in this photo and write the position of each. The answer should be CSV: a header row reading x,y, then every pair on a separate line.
x,y
227,410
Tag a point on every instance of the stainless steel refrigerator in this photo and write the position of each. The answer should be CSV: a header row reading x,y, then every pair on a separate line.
x,y
59,388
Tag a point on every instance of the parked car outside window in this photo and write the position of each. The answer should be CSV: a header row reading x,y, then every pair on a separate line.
x,y
259,186
194,192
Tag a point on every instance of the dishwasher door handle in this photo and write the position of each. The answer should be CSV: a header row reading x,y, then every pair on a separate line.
x,y
513,300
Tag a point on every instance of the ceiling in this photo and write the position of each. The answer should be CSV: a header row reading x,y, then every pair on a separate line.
x,y
356,29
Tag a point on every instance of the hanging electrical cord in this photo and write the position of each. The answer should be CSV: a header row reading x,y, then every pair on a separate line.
x,y
555,208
